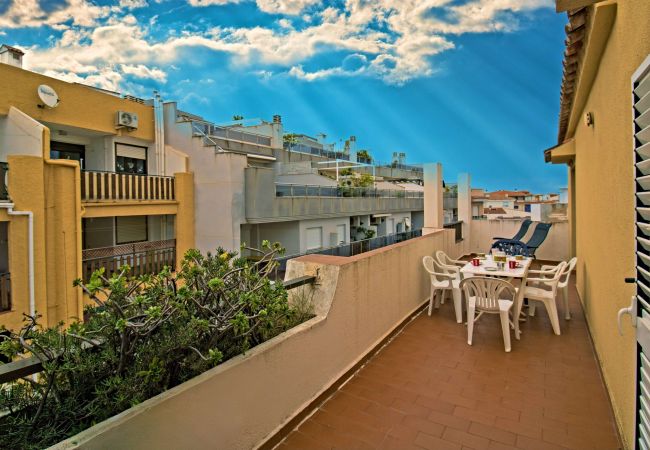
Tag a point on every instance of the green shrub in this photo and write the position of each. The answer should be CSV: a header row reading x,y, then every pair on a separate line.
x,y
145,335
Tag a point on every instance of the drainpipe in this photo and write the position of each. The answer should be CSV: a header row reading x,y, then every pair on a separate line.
x,y
159,145
30,250
159,133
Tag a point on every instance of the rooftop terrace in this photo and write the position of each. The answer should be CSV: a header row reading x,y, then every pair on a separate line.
x,y
427,389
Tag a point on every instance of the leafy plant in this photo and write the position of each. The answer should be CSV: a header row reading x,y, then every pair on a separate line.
x,y
144,335
290,139
355,180
365,155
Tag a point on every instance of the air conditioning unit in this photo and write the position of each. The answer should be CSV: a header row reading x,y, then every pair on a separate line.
x,y
126,120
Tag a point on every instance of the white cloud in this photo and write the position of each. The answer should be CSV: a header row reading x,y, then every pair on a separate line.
x,y
299,72
291,7
28,14
211,2
142,71
393,40
132,4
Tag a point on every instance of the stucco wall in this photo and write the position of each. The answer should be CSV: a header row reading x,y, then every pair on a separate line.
x,y
605,205
218,186
286,233
77,107
239,404
20,135
263,206
329,226
50,191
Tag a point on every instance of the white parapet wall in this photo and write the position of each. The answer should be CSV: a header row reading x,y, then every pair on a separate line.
x,y
358,302
555,247
20,135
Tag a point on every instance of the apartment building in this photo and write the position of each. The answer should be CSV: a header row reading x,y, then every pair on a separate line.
x,y
254,182
517,204
604,139
89,184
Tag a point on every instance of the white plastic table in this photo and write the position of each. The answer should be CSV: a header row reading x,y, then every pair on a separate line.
x,y
519,272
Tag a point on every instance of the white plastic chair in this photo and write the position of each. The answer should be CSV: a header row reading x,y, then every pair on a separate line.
x,y
563,285
442,281
445,260
545,290
491,296
453,266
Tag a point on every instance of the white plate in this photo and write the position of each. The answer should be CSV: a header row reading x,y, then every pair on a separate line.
x,y
491,269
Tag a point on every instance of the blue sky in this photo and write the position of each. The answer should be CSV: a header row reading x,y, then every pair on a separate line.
x,y
473,84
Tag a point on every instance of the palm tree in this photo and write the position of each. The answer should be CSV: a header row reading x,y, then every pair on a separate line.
x,y
290,139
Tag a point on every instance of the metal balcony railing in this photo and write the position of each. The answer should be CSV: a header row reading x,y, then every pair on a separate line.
x,y
356,247
394,165
143,257
5,292
298,190
308,149
111,186
232,134
4,169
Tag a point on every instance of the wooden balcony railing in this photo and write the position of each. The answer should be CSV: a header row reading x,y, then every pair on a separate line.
x,y
5,292
111,186
143,258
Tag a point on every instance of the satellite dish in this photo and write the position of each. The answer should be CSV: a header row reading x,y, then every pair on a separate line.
x,y
48,96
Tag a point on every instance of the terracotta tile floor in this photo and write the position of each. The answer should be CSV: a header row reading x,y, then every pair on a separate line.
x,y
428,389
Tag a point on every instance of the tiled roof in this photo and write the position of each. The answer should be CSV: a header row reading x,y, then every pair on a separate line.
x,y
503,194
576,33
12,49
494,211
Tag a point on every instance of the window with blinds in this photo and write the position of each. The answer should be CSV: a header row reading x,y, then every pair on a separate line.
x,y
130,229
130,159
641,114
314,238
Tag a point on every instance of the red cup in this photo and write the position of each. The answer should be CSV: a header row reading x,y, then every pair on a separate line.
x,y
476,262
512,264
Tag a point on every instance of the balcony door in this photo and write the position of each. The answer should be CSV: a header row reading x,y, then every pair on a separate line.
x,y
641,114
64,150
130,159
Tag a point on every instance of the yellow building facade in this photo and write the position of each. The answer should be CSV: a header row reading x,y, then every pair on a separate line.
x,y
85,187
607,42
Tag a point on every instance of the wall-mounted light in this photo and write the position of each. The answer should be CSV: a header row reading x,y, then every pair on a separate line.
x,y
589,119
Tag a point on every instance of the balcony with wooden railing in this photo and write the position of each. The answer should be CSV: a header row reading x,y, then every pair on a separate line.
x,y
99,186
143,258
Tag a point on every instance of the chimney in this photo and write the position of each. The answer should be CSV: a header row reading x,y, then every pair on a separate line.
x,y
278,132
11,55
